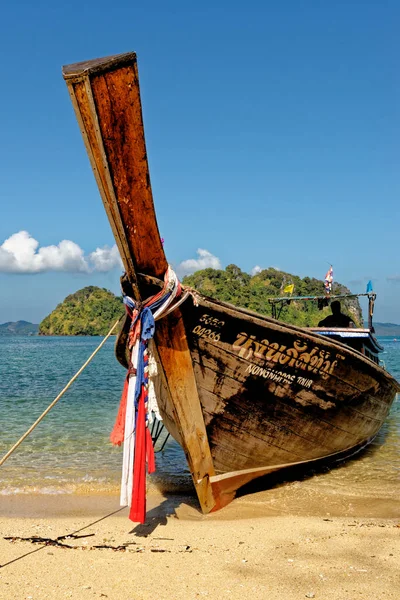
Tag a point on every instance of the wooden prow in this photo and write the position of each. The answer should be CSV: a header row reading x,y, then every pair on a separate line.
x,y
106,98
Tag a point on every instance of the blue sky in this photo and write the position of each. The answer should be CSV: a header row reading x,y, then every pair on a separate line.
x,y
272,131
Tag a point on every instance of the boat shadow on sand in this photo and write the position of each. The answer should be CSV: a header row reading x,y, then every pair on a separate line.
x,y
169,507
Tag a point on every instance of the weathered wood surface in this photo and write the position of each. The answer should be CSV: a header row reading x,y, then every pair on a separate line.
x,y
176,360
106,98
274,395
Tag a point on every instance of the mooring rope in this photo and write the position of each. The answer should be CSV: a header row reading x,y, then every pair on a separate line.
x,y
71,381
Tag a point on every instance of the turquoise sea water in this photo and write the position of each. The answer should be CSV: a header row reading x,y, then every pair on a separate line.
x,y
69,451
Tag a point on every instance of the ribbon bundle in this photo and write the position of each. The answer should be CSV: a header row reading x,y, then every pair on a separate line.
x,y
131,425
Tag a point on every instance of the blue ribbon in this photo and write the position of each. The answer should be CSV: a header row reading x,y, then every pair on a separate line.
x,y
147,332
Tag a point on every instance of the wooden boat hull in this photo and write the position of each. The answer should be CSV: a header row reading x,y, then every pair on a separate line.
x,y
243,394
274,396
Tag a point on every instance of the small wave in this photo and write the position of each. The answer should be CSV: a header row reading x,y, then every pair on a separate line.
x,y
91,479
14,491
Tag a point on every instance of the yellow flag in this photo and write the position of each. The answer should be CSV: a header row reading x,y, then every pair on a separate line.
x,y
288,289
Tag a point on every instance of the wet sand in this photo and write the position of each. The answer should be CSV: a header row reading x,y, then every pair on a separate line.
x,y
251,547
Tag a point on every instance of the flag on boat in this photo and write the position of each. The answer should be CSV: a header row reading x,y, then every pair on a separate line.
x,y
288,289
369,286
328,280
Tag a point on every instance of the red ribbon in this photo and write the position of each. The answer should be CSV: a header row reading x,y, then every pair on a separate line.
x,y
118,432
143,449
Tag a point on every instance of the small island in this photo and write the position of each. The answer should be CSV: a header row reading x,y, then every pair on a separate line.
x,y
89,311
13,328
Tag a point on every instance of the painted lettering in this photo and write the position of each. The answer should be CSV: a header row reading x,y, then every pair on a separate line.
x,y
303,355
207,333
208,320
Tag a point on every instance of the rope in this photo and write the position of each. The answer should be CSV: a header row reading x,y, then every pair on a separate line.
x,y
188,292
71,381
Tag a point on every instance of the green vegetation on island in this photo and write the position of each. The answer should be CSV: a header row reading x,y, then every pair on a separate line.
x,y
90,311
252,292
18,328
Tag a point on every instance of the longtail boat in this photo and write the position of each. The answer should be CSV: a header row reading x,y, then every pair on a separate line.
x,y
243,393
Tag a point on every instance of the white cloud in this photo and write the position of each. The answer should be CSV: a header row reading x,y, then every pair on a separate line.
x,y
205,260
20,253
255,270
105,259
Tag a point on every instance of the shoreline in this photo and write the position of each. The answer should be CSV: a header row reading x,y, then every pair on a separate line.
x,y
310,497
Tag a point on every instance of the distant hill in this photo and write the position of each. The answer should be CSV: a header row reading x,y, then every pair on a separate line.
x,y
89,311
18,328
387,329
252,292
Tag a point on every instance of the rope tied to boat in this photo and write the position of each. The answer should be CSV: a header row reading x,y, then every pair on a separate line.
x,y
135,409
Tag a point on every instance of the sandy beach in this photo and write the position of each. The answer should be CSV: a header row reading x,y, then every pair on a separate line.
x,y
94,551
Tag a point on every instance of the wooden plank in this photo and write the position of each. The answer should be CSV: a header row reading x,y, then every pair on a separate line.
x,y
108,108
228,483
177,364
